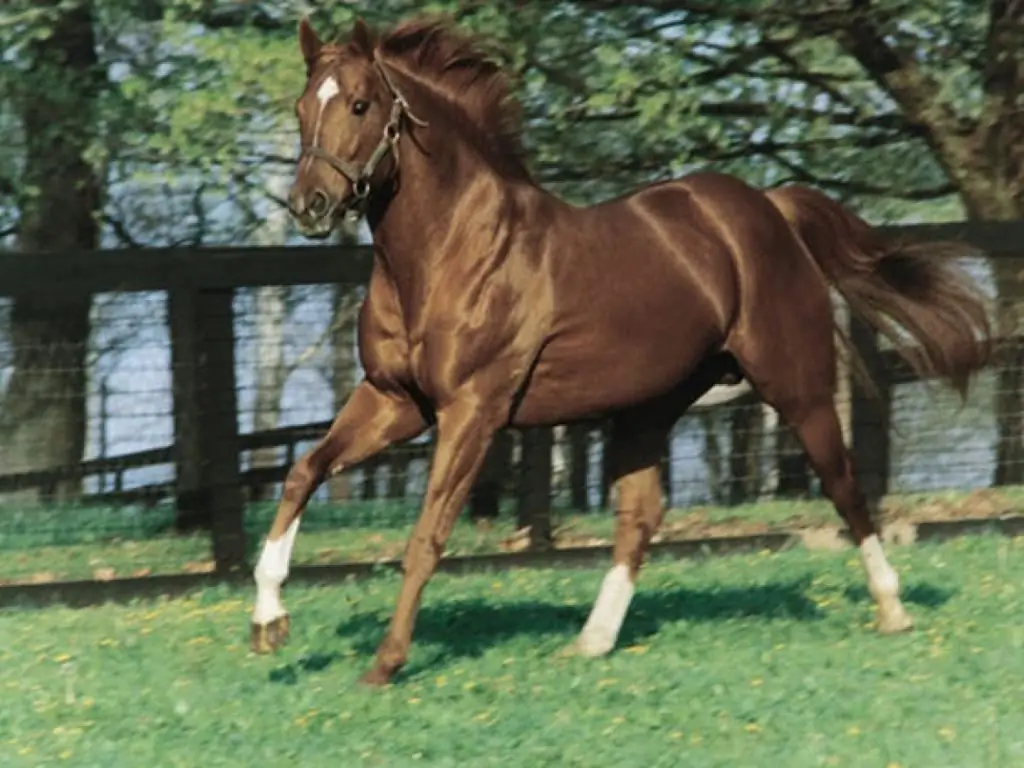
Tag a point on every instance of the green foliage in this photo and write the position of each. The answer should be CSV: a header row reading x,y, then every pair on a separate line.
x,y
747,660
613,97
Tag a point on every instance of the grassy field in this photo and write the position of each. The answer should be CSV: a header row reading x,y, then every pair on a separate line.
x,y
44,545
741,661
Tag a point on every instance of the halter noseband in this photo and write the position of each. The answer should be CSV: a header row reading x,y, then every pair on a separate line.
x,y
360,178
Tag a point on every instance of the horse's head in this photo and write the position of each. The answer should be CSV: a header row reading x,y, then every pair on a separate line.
x,y
350,117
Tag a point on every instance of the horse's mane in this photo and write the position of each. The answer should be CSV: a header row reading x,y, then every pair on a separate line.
x,y
456,67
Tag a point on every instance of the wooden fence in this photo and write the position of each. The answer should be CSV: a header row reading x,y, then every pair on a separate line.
x,y
209,482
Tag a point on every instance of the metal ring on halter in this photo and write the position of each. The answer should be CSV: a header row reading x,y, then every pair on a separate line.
x,y
361,188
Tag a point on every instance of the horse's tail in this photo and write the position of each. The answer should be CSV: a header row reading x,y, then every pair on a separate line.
x,y
897,288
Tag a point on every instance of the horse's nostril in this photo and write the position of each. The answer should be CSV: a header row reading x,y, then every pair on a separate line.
x,y
318,204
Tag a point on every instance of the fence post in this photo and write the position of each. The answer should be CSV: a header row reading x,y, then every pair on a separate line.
x,y
579,466
870,416
535,485
208,481
606,467
665,465
490,485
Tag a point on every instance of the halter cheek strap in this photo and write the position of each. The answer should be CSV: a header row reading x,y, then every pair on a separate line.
x,y
361,178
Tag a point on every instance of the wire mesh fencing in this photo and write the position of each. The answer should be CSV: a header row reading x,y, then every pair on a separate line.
x,y
134,428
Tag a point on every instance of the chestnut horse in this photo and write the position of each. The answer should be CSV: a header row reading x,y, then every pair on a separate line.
x,y
494,303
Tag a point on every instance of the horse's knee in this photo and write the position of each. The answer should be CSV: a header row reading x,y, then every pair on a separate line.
x,y
306,472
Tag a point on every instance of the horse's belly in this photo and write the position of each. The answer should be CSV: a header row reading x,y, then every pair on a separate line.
x,y
583,377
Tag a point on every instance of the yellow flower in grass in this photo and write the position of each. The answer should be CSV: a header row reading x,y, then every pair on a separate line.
x,y
947,733
752,728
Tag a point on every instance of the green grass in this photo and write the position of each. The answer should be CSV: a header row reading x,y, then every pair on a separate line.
x,y
758,660
54,543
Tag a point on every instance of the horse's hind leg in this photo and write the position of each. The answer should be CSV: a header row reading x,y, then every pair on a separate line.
x,y
818,429
635,448
802,391
634,462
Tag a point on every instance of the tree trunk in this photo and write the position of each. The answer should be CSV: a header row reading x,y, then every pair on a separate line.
x,y
43,414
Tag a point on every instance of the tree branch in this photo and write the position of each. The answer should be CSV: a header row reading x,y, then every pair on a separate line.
x,y
117,226
855,28
891,121
801,175
772,148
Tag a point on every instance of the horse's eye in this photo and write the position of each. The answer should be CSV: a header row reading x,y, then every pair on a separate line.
x,y
360,106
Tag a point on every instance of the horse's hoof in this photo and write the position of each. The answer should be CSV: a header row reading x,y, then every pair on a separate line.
x,y
267,638
377,677
894,621
593,645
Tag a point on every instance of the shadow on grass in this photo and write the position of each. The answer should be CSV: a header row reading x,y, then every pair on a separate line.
x,y
468,628
925,595
314,662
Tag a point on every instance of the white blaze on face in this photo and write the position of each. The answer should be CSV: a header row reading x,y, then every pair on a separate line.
x,y
328,89
602,628
270,573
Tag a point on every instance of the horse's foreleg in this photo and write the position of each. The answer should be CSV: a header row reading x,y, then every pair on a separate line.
x,y
370,421
464,433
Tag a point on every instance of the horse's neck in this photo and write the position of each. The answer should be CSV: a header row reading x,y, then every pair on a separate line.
x,y
414,228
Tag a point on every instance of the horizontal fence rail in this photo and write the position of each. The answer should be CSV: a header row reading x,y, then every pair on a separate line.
x,y
155,269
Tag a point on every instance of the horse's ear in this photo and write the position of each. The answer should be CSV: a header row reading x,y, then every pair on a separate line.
x,y
362,37
309,42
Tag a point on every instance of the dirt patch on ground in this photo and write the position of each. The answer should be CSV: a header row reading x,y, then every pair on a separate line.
x,y
984,503
897,519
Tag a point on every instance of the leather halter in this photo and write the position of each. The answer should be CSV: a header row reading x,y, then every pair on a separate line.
x,y
361,177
